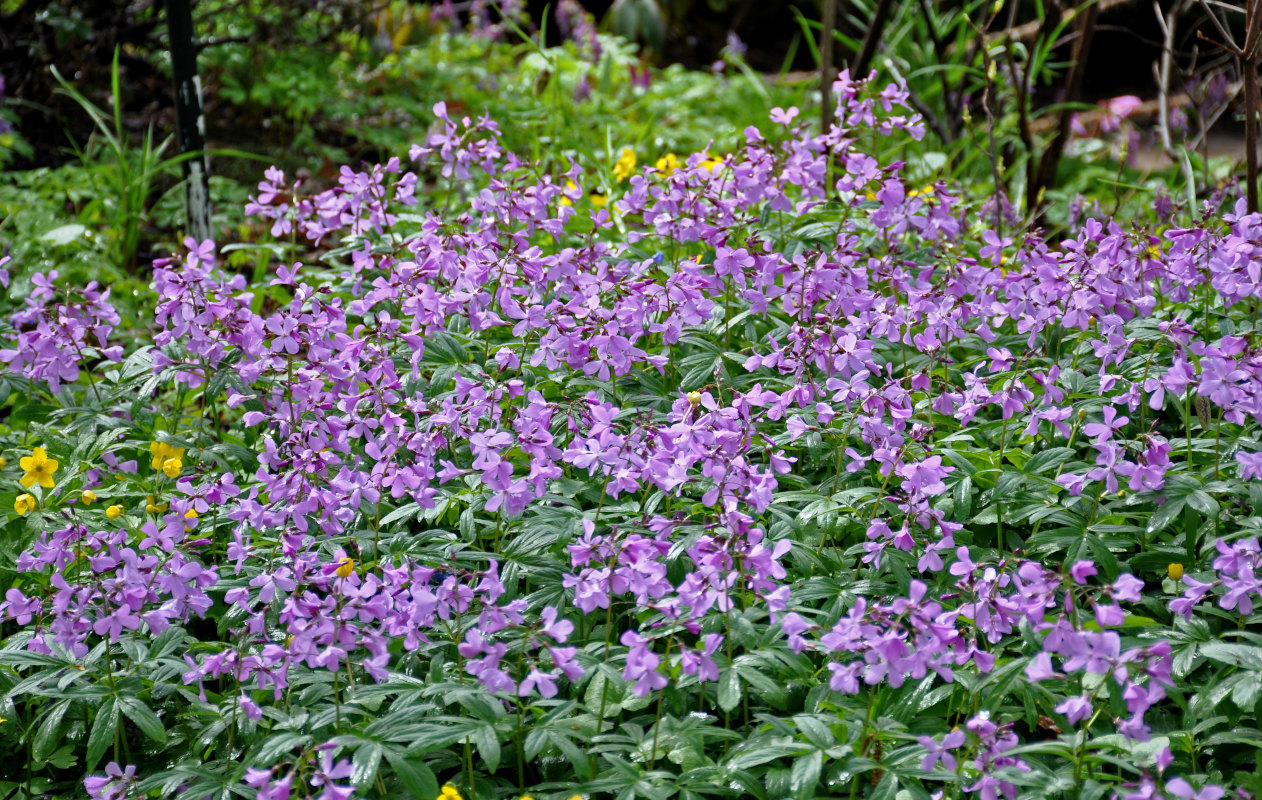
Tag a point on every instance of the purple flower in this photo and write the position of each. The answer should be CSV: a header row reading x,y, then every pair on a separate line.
x,y
1075,709
1082,570
1180,788
1103,431
1250,465
941,753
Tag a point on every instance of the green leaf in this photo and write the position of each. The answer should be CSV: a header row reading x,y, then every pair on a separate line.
x,y
1044,461
488,744
64,234
729,689
804,775
145,719
47,737
414,774
1202,502
364,764
1240,655
102,734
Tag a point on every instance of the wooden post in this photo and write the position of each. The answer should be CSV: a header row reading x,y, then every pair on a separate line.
x,y
826,64
190,124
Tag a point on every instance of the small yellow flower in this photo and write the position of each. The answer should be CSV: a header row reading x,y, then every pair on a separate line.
x,y
712,163
163,456
1175,571
39,469
3,461
88,497
152,505
625,165
24,505
344,569
449,792
599,200
114,512
570,186
191,517
668,164
694,399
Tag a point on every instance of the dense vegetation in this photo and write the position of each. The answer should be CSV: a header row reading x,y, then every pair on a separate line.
x,y
585,445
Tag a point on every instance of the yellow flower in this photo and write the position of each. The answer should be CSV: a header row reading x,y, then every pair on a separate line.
x,y
191,516
24,505
39,469
694,399
163,454
449,792
625,165
1175,571
114,512
570,186
152,505
668,164
712,163
3,461
599,200
88,497
344,569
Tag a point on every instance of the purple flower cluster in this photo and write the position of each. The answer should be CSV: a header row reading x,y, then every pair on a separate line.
x,y
101,586
1236,583
59,331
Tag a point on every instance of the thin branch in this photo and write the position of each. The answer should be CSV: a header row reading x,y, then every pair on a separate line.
x,y
1168,28
876,28
1045,178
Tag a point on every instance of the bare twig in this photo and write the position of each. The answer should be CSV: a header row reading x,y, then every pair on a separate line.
x,y
1249,66
1168,27
1029,30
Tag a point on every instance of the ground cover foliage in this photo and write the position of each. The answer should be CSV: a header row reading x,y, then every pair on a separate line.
x,y
769,471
